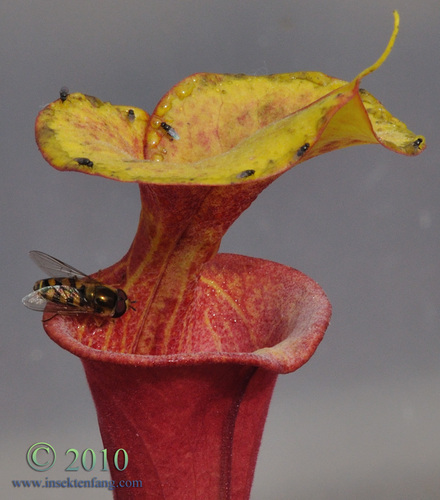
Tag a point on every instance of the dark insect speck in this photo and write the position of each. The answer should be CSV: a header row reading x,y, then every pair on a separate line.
x,y
84,161
417,142
170,131
64,93
245,173
131,115
302,149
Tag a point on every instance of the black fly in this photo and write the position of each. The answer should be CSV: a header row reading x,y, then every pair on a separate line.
x,y
170,131
64,93
84,162
302,149
245,174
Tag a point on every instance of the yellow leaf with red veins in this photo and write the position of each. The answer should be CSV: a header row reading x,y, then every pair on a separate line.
x,y
215,129
85,127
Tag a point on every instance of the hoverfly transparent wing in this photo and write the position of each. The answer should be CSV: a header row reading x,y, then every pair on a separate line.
x,y
54,267
37,301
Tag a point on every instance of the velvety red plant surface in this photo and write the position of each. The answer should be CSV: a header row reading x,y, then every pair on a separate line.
x,y
183,380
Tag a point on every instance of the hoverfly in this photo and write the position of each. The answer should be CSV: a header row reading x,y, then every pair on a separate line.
x,y
73,292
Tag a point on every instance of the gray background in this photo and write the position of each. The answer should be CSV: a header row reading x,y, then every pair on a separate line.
x,y
361,419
